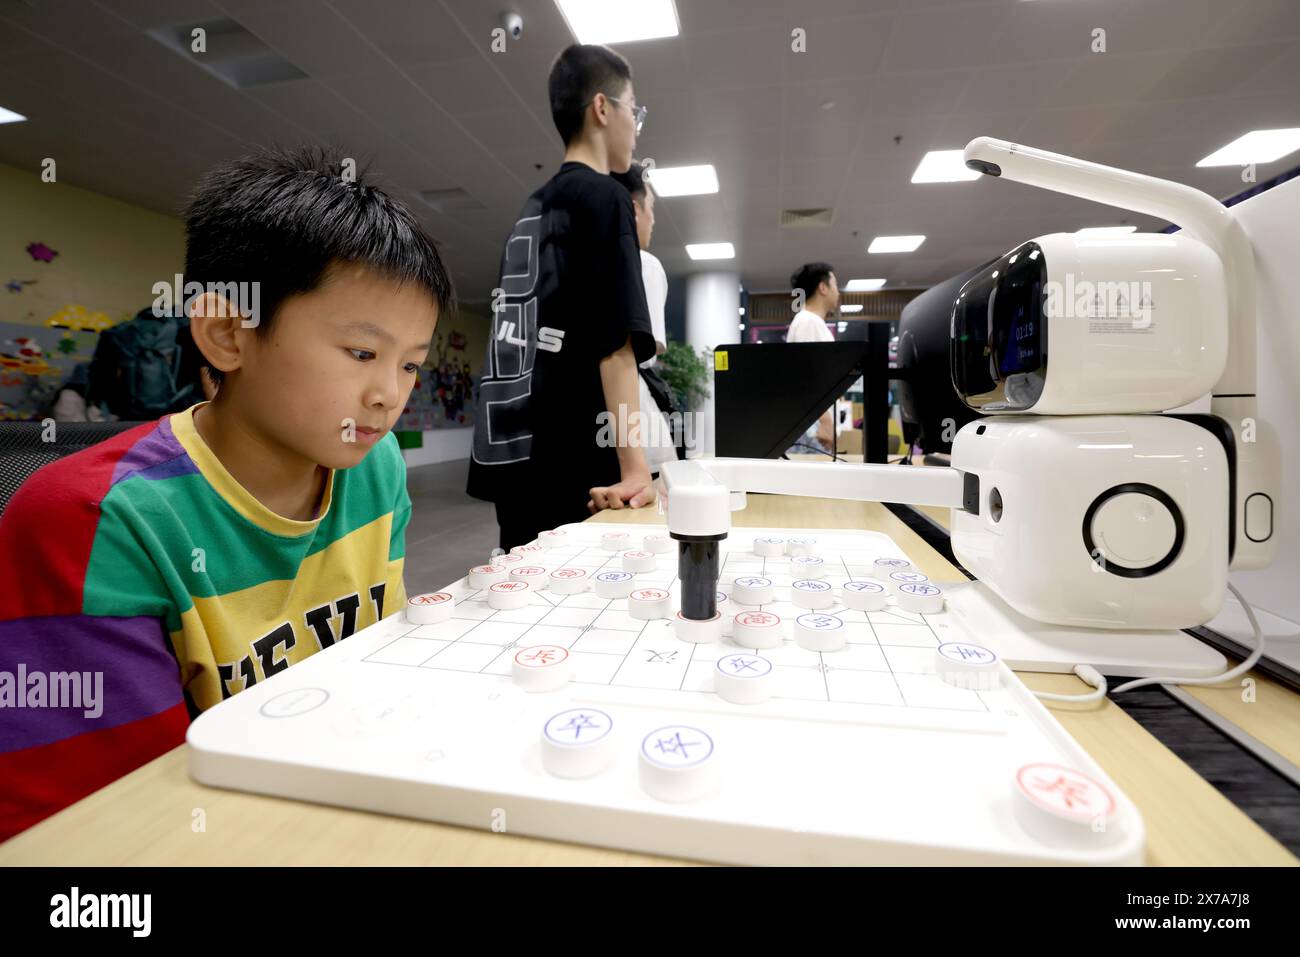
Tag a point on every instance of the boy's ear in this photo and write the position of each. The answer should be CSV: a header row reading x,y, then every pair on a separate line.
x,y
214,324
599,110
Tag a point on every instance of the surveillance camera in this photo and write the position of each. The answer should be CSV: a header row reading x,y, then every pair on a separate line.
x,y
514,25
1070,324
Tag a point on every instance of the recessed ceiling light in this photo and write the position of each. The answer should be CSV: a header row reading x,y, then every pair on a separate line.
x,y
1105,231
850,308
683,180
711,250
943,166
9,116
1257,146
619,21
895,244
863,285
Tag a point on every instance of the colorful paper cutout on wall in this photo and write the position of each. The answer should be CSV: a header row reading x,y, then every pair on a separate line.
x,y
17,285
78,317
25,356
34,362
41,252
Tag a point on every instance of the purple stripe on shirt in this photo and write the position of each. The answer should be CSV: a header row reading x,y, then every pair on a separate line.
x,y
140,676
159,455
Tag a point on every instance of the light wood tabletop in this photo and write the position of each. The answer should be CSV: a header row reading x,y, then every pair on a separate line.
x,y
147,817
1270,714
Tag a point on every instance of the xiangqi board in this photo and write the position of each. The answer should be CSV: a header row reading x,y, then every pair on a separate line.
x,y
819,720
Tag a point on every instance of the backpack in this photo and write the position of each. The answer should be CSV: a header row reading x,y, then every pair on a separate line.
x,y
137,368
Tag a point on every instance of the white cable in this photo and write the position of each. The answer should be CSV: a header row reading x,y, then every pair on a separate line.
x,y
1241,669
1092,677
1089,674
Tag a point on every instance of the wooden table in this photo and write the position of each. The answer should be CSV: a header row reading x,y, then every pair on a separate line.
x,y
145,817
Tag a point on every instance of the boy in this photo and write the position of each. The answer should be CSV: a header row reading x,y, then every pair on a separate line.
x,y
570,323
657,403
187,559
821,297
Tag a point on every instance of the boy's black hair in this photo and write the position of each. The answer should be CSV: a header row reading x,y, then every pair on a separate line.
x,y
577,75
633,180
809,276
282,217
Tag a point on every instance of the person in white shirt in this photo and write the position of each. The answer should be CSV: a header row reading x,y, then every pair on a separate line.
x,y
821,298
656,430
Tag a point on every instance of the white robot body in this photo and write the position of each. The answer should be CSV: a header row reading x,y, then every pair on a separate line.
x,y
1077,325
1116,522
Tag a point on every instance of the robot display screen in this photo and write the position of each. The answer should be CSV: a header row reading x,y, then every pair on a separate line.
x,y
1020,352
1017,315
998,342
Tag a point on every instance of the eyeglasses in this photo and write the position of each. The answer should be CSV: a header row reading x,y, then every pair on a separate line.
x,y
638,113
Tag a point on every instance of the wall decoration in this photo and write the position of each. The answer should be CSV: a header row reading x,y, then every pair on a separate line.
x,y
35,362
41,252
17,285
23,354
79,317
443,395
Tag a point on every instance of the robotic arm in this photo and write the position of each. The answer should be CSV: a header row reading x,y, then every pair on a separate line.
x,y
702,493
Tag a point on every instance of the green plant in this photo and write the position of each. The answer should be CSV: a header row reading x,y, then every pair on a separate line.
x,y
686,372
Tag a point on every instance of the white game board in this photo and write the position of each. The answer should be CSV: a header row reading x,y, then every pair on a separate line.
x,y
863,755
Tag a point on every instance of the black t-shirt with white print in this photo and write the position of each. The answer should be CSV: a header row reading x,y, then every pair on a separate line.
x,y
570,294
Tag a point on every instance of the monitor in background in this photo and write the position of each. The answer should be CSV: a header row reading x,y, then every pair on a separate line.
x,y
766,395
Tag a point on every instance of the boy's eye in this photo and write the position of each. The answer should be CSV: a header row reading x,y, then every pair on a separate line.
x,y
365,355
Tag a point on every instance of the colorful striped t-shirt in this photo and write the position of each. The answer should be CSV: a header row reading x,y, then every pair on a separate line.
x,y
140,563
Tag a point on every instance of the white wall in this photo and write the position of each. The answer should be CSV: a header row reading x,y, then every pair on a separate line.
x,y
1272,220
440,445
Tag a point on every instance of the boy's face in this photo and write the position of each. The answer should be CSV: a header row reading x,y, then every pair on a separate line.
x,y
830,288
645,217
336,370
621,131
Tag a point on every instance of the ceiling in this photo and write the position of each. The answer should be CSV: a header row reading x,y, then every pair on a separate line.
x,y
413,86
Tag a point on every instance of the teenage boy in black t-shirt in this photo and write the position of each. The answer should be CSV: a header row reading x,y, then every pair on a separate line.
x,y
570,323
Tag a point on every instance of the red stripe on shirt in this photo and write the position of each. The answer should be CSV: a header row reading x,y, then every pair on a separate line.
x,y
48,528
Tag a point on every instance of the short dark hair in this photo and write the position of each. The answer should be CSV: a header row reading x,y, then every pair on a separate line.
x,y
282,217
633,180
809,276
577,75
